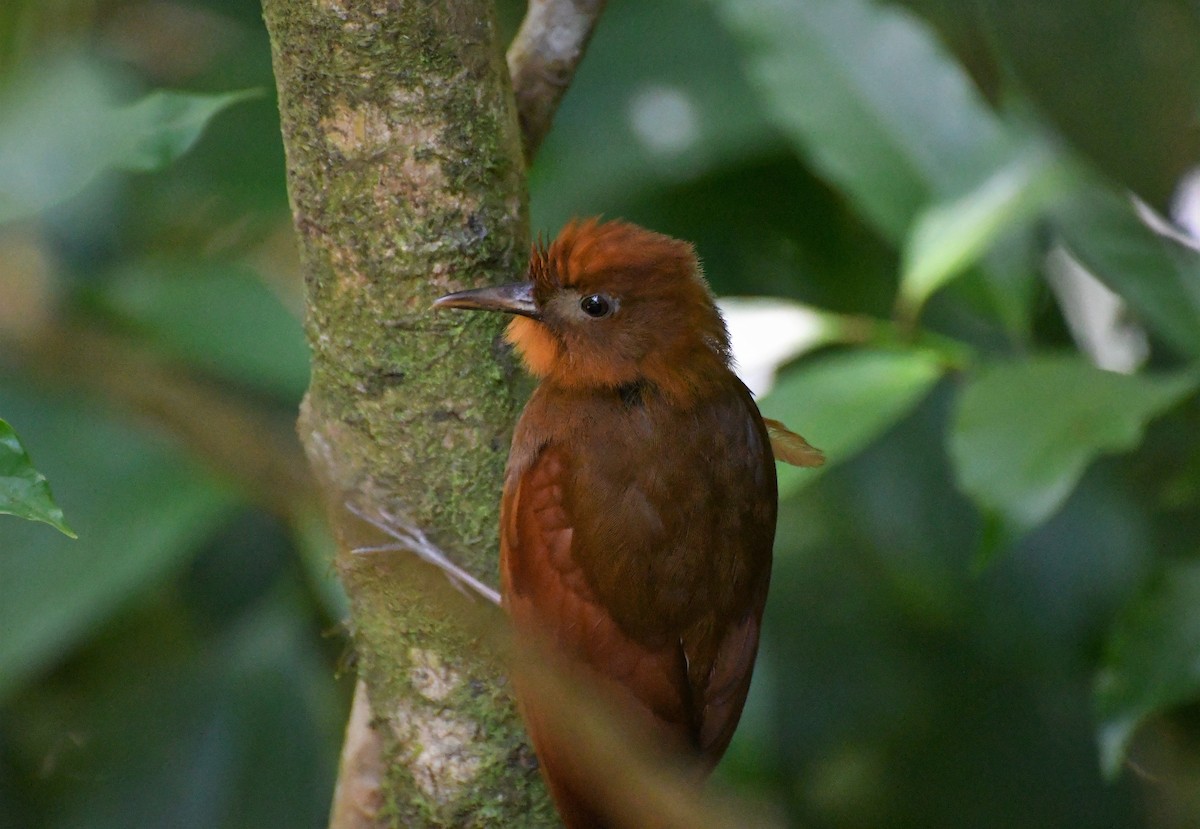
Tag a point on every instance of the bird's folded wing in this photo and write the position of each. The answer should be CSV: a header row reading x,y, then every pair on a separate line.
x,y
548,596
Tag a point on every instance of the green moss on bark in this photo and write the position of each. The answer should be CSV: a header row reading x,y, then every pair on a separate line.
x,y
406,181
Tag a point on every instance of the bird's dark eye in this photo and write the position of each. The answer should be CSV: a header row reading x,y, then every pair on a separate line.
x,y
596,305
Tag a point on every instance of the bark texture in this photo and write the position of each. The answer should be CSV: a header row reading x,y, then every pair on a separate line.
x,y
406,180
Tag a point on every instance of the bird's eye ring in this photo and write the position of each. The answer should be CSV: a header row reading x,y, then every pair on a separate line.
x,y
596,305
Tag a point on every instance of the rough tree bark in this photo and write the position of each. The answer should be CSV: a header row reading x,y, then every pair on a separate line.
x,y
406,180
406,177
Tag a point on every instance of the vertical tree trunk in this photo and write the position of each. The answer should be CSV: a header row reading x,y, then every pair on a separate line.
x,y
406,180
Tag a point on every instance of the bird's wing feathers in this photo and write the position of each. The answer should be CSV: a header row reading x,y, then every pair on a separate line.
x,y
720,706
547,592
548,597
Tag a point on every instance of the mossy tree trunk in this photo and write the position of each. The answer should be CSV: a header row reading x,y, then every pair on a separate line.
x,y
406,180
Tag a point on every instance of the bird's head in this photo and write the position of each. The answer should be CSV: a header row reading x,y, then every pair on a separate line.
x,y
608,304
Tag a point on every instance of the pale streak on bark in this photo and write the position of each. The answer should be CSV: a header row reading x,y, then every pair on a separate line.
x,y
542,60
358,796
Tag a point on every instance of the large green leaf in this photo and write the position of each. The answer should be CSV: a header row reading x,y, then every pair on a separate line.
x,y
164,125
1153,660
221,318
871,98
1158,277
1024,432
842,402
952,235
24,491
140,511
63,127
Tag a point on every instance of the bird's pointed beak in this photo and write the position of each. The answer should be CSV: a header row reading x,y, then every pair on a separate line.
x,y
516,298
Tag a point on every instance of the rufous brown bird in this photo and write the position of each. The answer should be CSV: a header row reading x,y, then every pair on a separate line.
x,y
639,501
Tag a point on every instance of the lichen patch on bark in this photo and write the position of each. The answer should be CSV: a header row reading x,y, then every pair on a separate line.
x,y
356,131
431,677
334,7
439,749
348,275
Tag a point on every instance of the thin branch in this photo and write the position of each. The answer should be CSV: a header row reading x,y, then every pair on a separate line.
x,y
411,538
542,61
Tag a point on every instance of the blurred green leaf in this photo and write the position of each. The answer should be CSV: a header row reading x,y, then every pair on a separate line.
x,y
1158,277
952,235
140,511
842,402
313,541
221,737
221,318
645,112
868,94
1010,278
1025,431
1119,80
164,125
24,491
62,128
1152,661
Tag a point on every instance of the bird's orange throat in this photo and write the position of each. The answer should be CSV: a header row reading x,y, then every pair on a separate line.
x,y
536,345
547,359
681,373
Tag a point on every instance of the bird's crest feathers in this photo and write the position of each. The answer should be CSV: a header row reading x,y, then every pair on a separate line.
x,y
589,254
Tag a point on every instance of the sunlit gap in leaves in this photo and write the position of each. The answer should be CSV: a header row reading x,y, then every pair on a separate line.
x,y
767,333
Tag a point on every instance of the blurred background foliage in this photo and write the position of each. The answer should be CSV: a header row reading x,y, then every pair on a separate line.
x,y
980,217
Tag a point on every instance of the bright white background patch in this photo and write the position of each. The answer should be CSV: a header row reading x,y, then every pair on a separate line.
x,y
766,333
